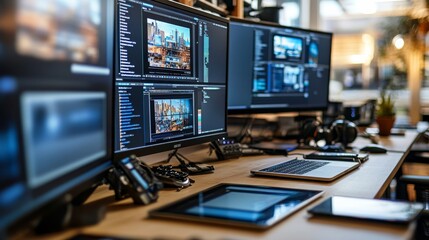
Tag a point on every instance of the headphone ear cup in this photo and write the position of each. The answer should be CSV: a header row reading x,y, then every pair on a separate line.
x,y
328,136
335,130
310,130
343,131
351,132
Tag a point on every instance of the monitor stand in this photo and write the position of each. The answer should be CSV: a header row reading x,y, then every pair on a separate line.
x,y
70,212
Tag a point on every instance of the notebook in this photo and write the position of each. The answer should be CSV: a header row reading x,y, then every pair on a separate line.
x,y
274,148
310,169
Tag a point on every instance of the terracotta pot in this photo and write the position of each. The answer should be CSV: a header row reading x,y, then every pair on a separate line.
x,y
385,124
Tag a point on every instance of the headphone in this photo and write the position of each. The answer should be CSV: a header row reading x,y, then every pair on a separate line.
x,y
340,131
310,131
343,131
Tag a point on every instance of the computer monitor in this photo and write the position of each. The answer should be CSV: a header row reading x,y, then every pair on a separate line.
x,y
274,68
171,77
56,86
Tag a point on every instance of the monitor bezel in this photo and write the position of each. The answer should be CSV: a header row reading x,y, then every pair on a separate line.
x,y
40,205
176,144
63,189
249,110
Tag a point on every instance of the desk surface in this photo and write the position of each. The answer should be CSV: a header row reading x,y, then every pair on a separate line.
x,y
369,181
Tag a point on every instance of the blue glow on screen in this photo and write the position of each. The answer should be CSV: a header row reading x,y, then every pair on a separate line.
x,y
7,85
62,132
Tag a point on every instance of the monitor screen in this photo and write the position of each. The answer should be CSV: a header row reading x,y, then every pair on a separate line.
x,y
273,68
171,77
56,61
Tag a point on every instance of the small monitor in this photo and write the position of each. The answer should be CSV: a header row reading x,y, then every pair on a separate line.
x,y
56,73
273,68
170,79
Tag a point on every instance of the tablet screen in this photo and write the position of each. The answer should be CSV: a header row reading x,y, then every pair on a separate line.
x,y
235,204
371,209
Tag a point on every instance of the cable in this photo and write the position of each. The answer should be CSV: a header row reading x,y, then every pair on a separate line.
x,y
188,166
246,130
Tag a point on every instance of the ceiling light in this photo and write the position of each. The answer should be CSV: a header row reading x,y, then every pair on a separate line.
x,y
398,41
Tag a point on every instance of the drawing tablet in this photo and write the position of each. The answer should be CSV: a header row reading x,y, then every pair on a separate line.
x,y
239,205
368,209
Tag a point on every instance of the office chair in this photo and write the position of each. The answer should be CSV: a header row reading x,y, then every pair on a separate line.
x,y
421,187
419,153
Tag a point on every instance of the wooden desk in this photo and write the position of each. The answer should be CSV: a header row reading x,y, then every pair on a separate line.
x,y
369,181
394,143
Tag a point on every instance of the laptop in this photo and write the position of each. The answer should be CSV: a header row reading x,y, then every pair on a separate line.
x,y
309,169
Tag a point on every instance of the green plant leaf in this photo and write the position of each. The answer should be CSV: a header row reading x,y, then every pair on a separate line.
x,y
385,106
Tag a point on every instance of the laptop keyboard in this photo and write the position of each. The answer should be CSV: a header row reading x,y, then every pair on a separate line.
x,y
295,166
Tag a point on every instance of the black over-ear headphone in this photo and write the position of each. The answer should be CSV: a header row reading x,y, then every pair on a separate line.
x,y
340,131
310,131
343,131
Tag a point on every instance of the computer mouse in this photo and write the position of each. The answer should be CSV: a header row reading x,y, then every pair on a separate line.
x,y
374,148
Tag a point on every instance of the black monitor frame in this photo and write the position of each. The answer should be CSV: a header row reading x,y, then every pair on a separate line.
x,y
176,144
248,109
31,73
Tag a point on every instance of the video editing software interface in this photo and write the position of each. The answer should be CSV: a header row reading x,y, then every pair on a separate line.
x,y
171,75
272,67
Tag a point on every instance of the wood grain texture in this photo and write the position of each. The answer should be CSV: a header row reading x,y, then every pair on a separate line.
x,y
369,181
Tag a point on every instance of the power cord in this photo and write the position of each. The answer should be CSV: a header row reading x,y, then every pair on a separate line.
x,y
188,166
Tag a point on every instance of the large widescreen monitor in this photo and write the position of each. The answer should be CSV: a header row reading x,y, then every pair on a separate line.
x,y
273,68
171,77
56,86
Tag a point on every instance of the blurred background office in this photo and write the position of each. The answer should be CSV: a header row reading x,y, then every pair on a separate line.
x,y
377,45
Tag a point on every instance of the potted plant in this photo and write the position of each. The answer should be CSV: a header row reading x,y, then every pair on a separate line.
x,y
385,114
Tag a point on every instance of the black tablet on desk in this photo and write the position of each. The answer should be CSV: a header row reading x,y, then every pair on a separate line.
x,y
368,209
239,205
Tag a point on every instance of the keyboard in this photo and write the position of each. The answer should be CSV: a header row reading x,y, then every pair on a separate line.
x,y
295,166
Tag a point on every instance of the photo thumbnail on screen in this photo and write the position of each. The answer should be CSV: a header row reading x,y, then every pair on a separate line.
x,y
59,30
55,125
288,79
169,45
286,47
173,117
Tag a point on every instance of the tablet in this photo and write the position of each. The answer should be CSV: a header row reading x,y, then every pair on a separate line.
x,y
239,205
369,209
